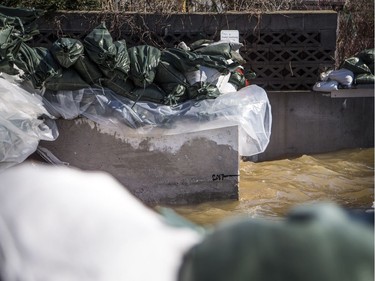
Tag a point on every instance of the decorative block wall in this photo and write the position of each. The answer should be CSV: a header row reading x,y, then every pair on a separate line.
x,y
287,51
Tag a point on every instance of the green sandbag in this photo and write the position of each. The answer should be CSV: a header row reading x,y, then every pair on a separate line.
x,y
101,49
368,57
322,243
176,93
26,15
201,91
364,79
38,64
143,62
23,19
228,50
152,93
121,61
237,79
172,82
120,84
8,50
186,61
200,43
67,51
69,81
222,49
356,65
87,69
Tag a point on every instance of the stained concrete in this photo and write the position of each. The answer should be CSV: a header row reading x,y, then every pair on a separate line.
x,y
174,169
312,122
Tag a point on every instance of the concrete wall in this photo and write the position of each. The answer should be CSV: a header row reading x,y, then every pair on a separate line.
x,y
171,169
311,122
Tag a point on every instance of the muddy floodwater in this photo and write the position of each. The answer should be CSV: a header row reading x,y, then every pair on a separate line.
x,y
269,189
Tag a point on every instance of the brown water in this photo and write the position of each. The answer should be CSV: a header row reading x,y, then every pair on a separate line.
x,y
269,189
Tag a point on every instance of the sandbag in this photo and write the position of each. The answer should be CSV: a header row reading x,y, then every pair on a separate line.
x,y
69,80
22,19
186,61
318,242
204,90
228,50
176,93
367,56
364,79
238,79
67,51
356,65
122,61
172,82
143,62
8,50
343,76
152,93
87,69
120,84
200,43
101,49
326,86
38,64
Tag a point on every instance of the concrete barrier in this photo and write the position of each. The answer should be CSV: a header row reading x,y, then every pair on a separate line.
x,y
169,169
312,122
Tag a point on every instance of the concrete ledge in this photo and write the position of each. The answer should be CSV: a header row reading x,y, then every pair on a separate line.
x,y
313,122
169,169
360,91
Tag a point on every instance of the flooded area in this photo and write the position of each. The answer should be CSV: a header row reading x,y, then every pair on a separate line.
x,y
269,189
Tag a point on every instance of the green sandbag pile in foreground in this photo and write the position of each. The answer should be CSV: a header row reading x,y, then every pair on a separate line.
x,y
318,242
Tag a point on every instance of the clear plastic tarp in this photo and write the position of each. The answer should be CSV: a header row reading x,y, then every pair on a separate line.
x,y
28,116
24,121
249,108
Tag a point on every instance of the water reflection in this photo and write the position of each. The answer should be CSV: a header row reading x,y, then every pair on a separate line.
x,y
269,189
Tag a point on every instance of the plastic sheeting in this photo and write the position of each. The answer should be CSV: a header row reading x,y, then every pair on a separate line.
x,y
22,125
71,225
249,108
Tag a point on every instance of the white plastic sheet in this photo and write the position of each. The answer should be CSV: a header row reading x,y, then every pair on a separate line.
x,y
22,125
249,108
64,224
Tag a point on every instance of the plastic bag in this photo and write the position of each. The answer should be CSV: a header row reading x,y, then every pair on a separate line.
x,y
21,124
248,108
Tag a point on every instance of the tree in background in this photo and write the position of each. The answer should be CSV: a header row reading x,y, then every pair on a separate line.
x,y
355,28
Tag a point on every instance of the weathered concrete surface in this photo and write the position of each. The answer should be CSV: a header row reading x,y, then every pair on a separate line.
x,y
312,122
174,169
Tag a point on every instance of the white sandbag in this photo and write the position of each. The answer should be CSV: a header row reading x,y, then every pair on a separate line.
x,y
228,88
326,86
342,76
203,74
324,75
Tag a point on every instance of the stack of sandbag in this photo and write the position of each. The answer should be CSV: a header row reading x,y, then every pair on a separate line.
x,y
355,70
362,66
171,76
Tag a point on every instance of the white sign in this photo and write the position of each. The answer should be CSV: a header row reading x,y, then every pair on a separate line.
x,y
230,35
